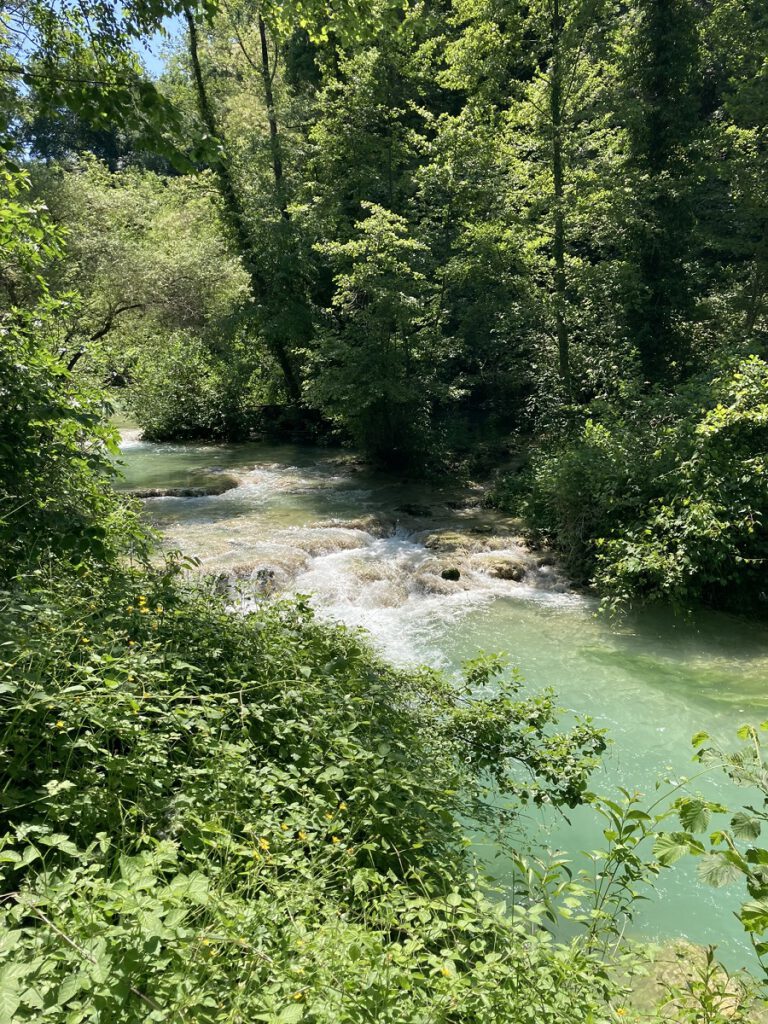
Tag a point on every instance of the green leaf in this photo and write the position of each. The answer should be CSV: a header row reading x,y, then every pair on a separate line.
x,y
754,916
9,994
695,814
671,846
745,826
71,985
193,887
717,869
58,841
290,1014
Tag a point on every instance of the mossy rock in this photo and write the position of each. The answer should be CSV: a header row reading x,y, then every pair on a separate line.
x,y
449,540
507,569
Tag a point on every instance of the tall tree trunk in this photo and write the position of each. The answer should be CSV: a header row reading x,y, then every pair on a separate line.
x,y
665,69
274,133
556,115
233,210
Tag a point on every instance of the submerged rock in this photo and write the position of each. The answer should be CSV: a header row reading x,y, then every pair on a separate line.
x,y
451,574
417,511
375,525
219,486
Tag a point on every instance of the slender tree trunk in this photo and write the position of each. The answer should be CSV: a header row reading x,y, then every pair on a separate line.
x,y
274,132
755,293
233,210
556,115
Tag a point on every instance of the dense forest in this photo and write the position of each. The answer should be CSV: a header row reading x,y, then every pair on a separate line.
x,y
518,242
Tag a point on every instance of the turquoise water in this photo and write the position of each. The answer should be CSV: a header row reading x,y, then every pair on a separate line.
x,y
652,682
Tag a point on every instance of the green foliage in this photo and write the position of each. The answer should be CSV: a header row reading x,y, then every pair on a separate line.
x,y
730,853
184,390
705,534
55,467
184,785
381,347
666,502
146,257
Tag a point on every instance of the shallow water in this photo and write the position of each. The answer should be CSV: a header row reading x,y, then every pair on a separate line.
x,y
312,522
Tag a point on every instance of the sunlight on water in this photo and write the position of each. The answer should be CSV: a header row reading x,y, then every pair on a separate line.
x,y
308,521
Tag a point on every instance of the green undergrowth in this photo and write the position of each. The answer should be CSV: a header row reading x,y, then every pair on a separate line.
x,y
218,817
663,500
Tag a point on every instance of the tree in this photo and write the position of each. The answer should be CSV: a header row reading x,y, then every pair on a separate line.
x,y
662,69
377,362
145,257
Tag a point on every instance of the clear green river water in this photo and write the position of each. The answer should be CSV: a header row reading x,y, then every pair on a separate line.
x,y
308,521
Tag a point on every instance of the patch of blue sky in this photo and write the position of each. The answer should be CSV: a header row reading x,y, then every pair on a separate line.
x,y
151,51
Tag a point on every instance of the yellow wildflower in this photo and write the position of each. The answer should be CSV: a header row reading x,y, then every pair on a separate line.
x,y
302,834
621,1011
328,817
159,609
298,995
144,610
335,839
263,843
142,599
342,806
446,972
59,724
84,640
283,826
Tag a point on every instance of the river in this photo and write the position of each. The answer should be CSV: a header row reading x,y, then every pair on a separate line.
x,y
371,551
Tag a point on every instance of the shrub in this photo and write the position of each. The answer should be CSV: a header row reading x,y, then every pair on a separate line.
x,y
182,391
55,468
666,501
706,536
211,817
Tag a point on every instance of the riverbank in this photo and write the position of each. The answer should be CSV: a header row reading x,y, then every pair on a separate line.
x,y
329,529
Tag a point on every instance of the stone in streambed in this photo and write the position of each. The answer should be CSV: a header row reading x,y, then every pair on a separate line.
x,y
449,540
451,574
219,486
507,569
375,525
